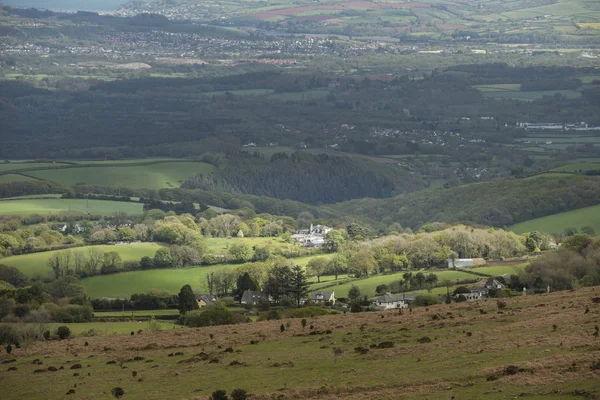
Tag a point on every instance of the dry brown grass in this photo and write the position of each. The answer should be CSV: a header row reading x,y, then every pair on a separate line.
x,y
466,348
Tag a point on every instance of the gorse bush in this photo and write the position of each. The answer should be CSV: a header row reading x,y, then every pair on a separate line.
x,y
63,332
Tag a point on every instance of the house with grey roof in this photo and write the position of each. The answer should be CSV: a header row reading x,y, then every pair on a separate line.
x,y
323,297
391,301
251,297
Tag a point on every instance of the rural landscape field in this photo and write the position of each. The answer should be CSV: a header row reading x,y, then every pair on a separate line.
x,y
307,199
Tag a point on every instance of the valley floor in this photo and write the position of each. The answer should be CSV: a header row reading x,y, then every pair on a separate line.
x,y
463,350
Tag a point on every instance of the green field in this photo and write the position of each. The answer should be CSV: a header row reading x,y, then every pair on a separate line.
x,y
221,245
367,286
152,176
557,223
500,270
35,264
7,178
136,313
125,284
20,165
577,167
54,206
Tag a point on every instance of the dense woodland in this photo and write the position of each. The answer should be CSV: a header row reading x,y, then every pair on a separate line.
x,y
207,115
306,178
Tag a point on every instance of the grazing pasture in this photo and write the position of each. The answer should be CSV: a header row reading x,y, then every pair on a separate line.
x,y
170,280
151,176
55,206
557,223
463,350
500,269
367,285
36,264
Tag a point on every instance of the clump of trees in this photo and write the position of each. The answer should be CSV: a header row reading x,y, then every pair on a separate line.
x,y
575,264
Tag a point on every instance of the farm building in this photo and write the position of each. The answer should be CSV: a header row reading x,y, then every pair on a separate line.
x,y
389,301
465,262
312,237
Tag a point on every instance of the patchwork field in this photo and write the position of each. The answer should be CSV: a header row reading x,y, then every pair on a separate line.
x,y
465,351
367,286
151,176
125,284
36,264
557,223
55,206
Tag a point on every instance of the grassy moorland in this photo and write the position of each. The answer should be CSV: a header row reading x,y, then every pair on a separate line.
x,y
536,347
557,223
35,264
55,206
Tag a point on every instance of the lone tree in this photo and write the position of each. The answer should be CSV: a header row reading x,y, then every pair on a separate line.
x,y
354,293
298,284
187,300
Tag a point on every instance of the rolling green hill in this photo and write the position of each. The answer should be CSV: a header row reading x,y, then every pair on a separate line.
x,y
496,203
55,206
35,264
557,223
153,175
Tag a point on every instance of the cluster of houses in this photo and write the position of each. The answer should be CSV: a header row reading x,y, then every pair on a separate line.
x,y
387,301
252,298
312,237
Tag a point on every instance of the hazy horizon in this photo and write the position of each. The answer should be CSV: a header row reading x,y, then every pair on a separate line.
x,y
66,5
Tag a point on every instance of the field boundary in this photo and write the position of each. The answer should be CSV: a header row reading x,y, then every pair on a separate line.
x,y
108,165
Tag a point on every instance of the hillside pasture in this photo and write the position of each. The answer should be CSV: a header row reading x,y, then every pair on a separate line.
x,y
151,176
36,264
171,280
466,355
367,286
500,269
222,245
557,223
8,178
55,206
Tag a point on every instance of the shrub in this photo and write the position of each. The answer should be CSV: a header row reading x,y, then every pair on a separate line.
x,y
425,300
282,328
63,332
117,392
219,395
8,335
212,317
303,323
239,394
355,308
306,312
